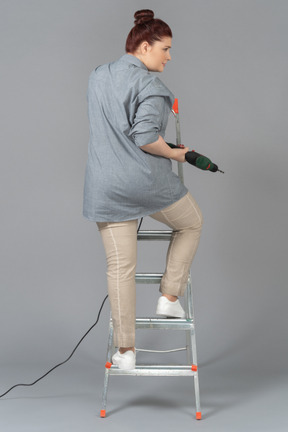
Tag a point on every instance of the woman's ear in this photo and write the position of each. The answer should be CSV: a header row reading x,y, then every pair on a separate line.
x,y
144,47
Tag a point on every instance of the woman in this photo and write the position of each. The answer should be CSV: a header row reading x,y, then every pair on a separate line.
x,y
129,175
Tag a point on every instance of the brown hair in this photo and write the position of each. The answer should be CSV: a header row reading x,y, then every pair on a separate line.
x,y
146,28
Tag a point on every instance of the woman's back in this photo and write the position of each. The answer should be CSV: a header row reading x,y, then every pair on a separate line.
x,y
128,107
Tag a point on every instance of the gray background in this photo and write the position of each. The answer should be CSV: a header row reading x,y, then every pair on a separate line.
x,y
229,71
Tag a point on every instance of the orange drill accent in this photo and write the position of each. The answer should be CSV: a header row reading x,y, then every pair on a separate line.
x,y
108,365
198,415
175,106
194,368
102,413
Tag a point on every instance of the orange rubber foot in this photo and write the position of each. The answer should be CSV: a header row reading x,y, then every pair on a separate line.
x,y
198,415
103,413
194,368
108,365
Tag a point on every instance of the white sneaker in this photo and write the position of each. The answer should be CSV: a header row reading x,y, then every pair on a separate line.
x,y
124,361
169,308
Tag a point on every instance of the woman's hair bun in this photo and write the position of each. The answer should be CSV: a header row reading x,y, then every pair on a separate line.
x,y
142,16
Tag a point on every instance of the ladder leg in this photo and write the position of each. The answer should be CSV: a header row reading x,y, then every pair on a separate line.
x,y
107,369
191,347
197,397
188,332
188,347
104,395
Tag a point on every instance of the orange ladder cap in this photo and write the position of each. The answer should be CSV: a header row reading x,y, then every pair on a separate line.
x,y
194,368
103,413
175,106
198,415
108,365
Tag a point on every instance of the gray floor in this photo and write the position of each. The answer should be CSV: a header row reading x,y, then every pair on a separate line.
x,y
229,71
234,397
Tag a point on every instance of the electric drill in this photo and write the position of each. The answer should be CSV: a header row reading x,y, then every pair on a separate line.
x,y
198,160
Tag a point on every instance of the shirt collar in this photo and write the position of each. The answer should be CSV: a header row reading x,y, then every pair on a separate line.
x,y
130,58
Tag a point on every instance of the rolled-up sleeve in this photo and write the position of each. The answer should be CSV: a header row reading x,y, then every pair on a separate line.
x,y
148,120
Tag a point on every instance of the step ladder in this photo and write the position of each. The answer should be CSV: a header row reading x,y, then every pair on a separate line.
x,y
186,324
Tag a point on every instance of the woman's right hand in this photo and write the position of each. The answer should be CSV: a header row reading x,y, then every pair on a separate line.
x,y
178,154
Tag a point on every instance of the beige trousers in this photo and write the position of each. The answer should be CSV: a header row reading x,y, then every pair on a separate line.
x,y
120,243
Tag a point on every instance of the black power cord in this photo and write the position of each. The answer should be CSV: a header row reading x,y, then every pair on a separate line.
x,y
26,385
65,361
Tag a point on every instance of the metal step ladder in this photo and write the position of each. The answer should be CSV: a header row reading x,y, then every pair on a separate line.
x,y
181,324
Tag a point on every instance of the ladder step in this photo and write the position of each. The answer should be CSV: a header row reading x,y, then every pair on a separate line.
x,y
154,370
165,323
150,278
154,235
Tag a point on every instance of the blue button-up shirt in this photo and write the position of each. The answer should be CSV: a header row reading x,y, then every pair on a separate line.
x,y
128,107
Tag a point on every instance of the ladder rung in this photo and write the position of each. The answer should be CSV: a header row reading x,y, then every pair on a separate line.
x,y
154,235
154,370
165,323
151,278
